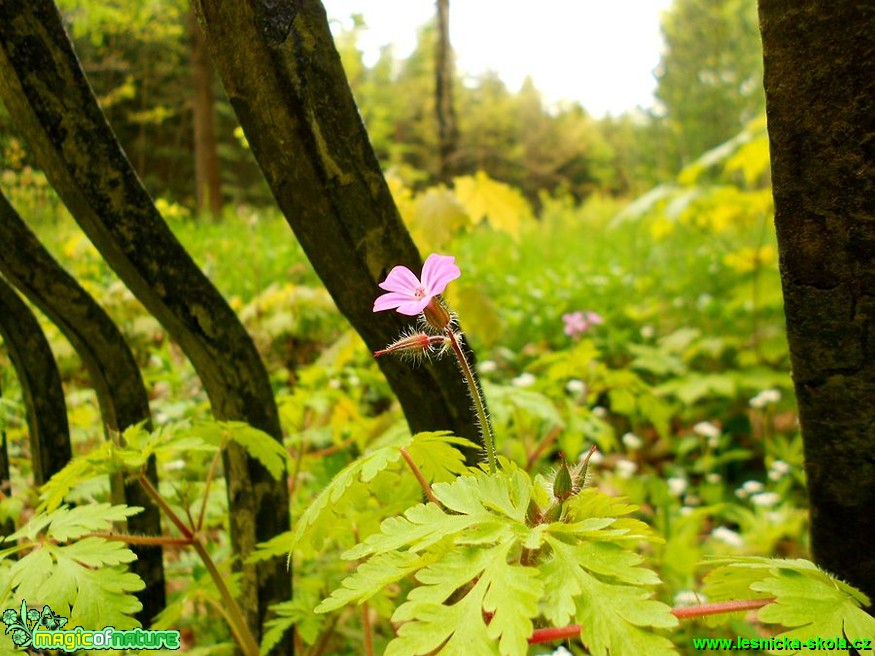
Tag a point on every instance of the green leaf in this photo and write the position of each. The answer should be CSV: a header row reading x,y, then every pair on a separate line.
x,y
808,601
614,618
67,523
372,576
437,455
509,591
65,578
361,471
259,445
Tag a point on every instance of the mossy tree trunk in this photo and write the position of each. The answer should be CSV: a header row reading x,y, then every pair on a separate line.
x,y
48,97
286,83
448,132
820,100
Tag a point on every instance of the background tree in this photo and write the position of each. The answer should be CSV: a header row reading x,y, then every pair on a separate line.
x,y
208,182
448,133
820,99
709,76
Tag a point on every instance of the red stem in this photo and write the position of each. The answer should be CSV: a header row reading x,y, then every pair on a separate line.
x,y
419,477
682,613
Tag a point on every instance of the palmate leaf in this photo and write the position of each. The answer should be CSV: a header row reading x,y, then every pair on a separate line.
x,y
80,581
437,455
372,576
808,601
615,618
258,444
360,471
510,592
66,523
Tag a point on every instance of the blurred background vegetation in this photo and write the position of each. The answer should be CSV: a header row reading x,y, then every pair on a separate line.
x,y
659,221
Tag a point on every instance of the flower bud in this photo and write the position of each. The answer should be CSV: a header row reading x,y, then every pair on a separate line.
x,y
437,315
562,485
412,344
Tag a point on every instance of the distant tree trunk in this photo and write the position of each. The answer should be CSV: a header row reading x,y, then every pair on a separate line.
x,y
820,100
448,133
206,156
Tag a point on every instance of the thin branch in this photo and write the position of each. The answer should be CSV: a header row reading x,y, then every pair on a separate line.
x,y
165,507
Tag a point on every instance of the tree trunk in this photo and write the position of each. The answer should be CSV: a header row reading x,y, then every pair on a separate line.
x,y
820,101
117,382
48,97
448,133
206,156
286,83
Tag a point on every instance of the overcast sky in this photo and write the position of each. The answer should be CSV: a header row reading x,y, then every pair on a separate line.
x,y
599,52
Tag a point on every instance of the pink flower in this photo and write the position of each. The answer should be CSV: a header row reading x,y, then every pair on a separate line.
x,y
577,323
407,294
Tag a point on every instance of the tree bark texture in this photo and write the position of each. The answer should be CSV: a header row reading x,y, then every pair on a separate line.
x,y
206,155
48,97
820,100
117,381
285,81
448,132
40,382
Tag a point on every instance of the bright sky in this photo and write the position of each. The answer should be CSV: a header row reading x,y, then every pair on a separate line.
x,y
599,52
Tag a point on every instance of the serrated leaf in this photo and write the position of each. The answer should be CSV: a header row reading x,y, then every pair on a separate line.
x,y
437,455
372,576
808,601
259,445
509,591
66,523
613,617
362,470
91,598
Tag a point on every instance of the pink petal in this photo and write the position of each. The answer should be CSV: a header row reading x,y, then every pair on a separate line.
x,y
594,317
413,307
437,272
390,301
401,279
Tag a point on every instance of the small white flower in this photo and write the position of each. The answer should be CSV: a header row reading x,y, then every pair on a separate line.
x,y
704,301
707,429
353,381
741,493
632,441
765,397
599,412
487,366
689,598
523,380
626,468
560,651
753,487
576,387
686,511
677,486
727,536
647,331
778,470
765,499
713,478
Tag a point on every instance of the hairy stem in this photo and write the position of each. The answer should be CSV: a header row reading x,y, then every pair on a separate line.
x,y
479,406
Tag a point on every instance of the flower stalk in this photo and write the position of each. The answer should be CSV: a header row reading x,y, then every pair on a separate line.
x,y
479,406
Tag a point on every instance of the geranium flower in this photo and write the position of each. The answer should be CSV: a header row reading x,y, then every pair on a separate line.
x,y
409,295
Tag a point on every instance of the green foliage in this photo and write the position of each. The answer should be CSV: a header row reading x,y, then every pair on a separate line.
x,y
85,580
805,600
487,572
